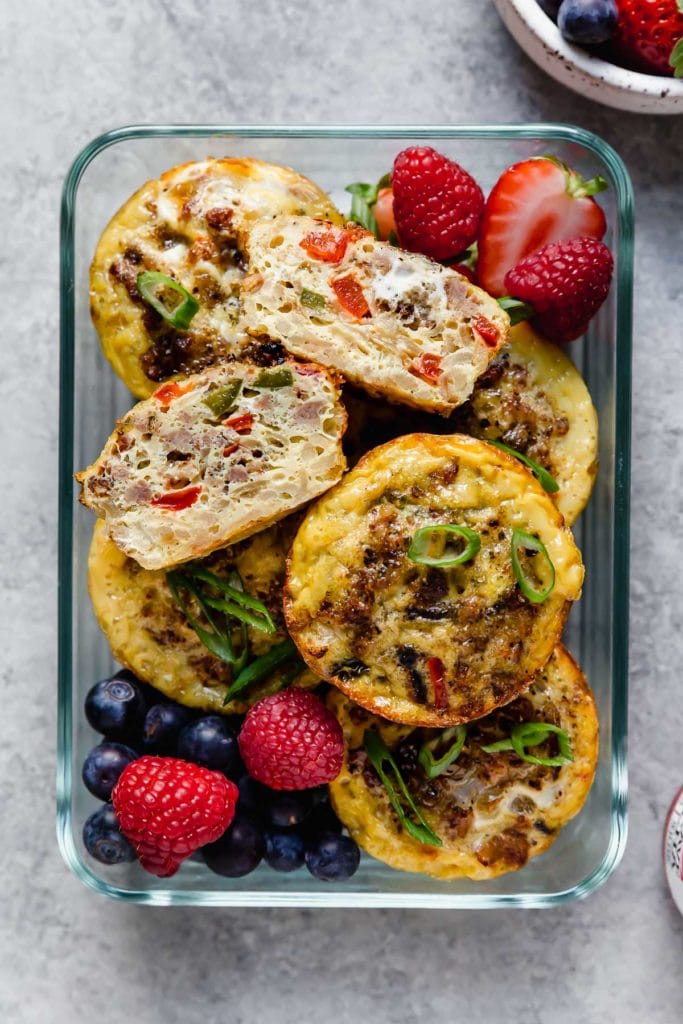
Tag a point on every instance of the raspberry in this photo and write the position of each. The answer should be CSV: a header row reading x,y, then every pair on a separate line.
x,y
566,283
437,204
168,808
291,741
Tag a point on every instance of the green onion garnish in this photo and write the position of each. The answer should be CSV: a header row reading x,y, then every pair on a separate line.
x,y
547,482
453,740
178,316
221,400
277,377
217,641
314,300
261,667
382,760
363,197
532,734
417,552
239,605
517,310
520,539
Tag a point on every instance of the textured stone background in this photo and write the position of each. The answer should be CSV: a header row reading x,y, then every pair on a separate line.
x,y
67,72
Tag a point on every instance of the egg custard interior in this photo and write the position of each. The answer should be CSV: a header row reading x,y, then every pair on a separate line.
x,y
396,323
215,458
433,582
185,225
489,811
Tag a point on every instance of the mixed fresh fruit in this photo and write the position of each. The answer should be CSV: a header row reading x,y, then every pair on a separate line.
x,y
241,791
238,790
644,35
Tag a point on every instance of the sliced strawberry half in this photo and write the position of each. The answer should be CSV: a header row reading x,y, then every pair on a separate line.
x,y
533,203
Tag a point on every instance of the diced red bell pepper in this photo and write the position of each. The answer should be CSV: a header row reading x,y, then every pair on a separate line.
x,y
167,392
241,424
350,296
435,668
176,501
488,331
328,245
428,367
231,448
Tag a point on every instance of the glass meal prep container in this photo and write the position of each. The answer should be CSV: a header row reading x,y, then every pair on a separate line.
x,y
102,177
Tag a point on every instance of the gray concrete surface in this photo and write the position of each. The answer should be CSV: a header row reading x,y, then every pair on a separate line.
x,y
69,71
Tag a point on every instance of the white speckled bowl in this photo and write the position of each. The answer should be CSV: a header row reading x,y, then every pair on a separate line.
x,y
597,79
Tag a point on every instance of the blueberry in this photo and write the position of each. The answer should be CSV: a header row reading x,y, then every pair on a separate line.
x,y
332,858
322,819
287,808
254,796
239,850
550,7
116,707
103,766
104,840
284,849
587,22
163,724
210,742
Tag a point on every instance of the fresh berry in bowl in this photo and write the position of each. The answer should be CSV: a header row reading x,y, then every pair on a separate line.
x,y
239,850
290,740
649,36
210,742
587,22
169,808
104,840
617,62
103,767
116,707
332,857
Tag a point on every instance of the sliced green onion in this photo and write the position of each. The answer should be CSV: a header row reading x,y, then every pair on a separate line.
x,y
532,734
363,215
261,667
453,740
363,198
417,552
239,605
179,316
314,300
277,377
221,400
547,482
235,581
520,539
218,642
382,761
517,310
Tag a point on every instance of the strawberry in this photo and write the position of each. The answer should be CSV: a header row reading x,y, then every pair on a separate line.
x,y
437,204
291,741
168,808
533,203
383,211
565,283
649,35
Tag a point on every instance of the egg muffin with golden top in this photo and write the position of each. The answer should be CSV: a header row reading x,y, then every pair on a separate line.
x,y
474,801
183,227
150,634
433,582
